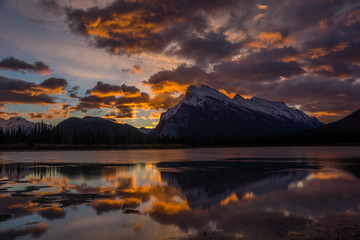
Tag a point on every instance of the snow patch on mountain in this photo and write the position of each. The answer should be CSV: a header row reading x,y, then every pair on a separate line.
x,y
198,96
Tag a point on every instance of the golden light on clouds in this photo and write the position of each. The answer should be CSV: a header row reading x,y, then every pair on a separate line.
x,y
270,40
262,6
155,115
231,198
229,94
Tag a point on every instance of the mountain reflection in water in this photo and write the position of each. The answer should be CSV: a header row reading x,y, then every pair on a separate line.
x,y
231,199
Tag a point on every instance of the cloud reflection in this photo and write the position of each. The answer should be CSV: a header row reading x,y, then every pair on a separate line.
x,y
222,200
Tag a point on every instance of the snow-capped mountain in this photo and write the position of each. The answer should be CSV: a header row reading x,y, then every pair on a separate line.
x,y
207,183
13,124
206,112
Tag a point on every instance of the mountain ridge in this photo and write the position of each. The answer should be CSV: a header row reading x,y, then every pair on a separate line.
x,y
262,116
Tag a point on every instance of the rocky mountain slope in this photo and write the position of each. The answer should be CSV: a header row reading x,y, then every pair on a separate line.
x,y
205,112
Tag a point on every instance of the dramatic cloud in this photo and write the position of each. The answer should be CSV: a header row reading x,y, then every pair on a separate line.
x,y
14,64
36,116
62,111
329,98
263,66
6,115
265,48
154,26
105,89
209,49
20,91
123,100
122,112
177,80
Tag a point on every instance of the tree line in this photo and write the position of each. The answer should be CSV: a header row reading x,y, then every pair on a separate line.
x,y
45,134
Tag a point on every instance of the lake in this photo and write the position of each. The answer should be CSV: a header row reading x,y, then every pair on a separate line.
x,y
215,193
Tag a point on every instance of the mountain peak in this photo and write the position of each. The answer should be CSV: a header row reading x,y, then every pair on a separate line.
x,y
238,97
205,108
13,124
203,90
194,94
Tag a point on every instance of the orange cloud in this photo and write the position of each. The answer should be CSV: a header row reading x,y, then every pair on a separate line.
x,y
229,94
352,18
168,86
38,115
7,115
61,112
258,16
320,114
170,208
21,91
231,198
325,24
270,40
327,68
317,52
329,176
262,6
155,115
132,23
340,47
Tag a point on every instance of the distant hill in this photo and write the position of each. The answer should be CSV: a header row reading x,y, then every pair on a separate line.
x,y
96,127
346,130
348,124
205,112
343,131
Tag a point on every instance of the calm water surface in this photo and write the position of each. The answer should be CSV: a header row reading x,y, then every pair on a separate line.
x,y
219,193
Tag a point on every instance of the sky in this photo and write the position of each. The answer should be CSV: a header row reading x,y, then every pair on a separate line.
x,y
131,60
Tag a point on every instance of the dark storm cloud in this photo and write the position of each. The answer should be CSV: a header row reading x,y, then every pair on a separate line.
x,y
106,88
266,48
20,91
54,83
163,81
123,100
122,113
151,26
263,66
301,16
336,52
211,48
332,95
11,97
9,84
14,64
